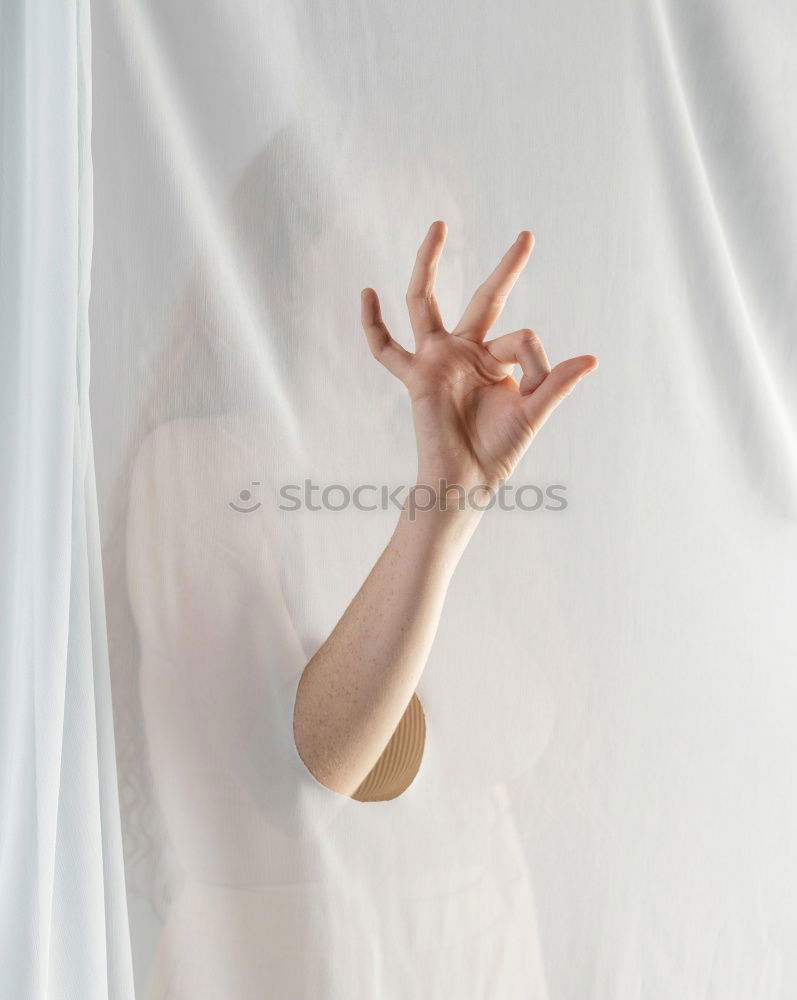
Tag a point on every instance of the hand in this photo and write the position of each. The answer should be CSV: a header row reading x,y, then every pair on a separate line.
x,y
473,421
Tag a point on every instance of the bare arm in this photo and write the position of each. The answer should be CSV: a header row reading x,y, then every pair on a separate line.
x,y
473,423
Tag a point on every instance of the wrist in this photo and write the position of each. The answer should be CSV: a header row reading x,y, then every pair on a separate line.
x,y
453,493
439,519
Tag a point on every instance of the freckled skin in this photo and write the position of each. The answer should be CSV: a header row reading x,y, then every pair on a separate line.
x,y
473,423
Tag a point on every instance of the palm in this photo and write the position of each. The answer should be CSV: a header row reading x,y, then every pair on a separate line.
x,y
473,420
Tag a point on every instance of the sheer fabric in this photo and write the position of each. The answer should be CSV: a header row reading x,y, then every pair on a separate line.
x,y
63,914
604,806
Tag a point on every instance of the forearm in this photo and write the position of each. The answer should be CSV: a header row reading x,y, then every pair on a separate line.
x,y
355,689
473,423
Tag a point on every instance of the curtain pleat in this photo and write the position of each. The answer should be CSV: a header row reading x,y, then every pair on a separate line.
x,y
63,921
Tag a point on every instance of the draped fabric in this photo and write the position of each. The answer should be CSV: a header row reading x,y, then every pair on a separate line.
x,y
604,807
63,915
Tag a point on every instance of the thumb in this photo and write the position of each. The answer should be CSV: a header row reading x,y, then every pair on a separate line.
x,y
556,385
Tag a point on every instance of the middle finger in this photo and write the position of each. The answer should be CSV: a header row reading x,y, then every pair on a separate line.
x,y
488,300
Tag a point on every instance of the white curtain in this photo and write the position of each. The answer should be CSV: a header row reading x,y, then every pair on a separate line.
x,y
63,919
605,807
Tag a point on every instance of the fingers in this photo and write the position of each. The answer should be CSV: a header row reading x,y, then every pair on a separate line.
x,y
488,300
524,348
383,347
421,302
556,385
